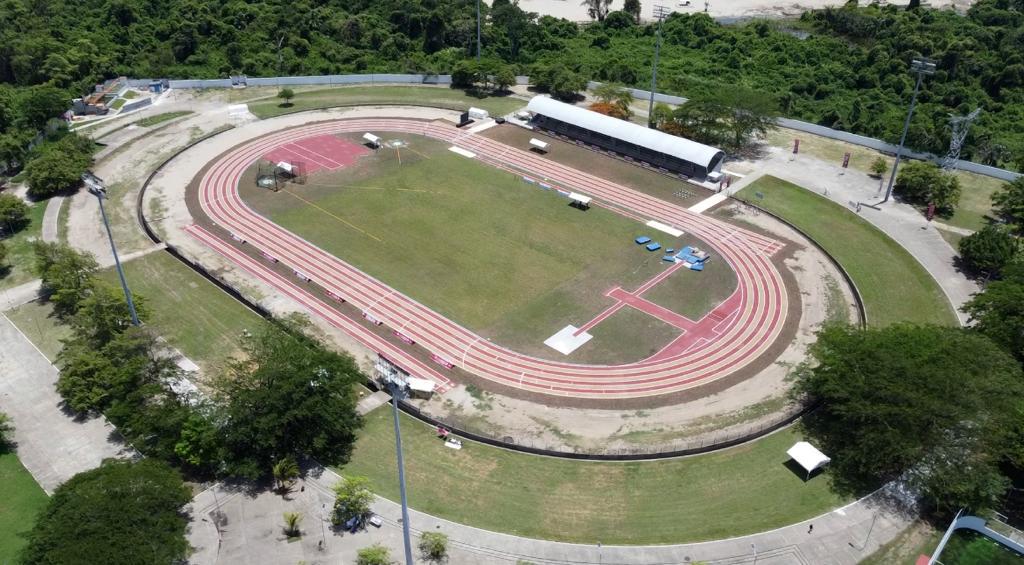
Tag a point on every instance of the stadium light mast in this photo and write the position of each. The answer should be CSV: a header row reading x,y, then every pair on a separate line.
x,y
396,394
921,66
98,189
660,13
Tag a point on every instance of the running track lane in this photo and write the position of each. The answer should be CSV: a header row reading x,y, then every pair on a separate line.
x,y
761,298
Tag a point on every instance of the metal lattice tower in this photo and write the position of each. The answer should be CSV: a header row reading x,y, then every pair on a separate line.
x,y
960,125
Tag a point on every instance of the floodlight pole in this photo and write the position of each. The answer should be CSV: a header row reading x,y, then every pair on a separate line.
x,y
660,12
396,393
99,190
920,67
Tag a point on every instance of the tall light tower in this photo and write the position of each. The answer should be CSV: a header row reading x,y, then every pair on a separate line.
x,y
98,189
660,13
960,125
396,395
921,67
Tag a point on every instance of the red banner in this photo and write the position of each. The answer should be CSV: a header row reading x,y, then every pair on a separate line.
x,y
442,362
846,160
796,146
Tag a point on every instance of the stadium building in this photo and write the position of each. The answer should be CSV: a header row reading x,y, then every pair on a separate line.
x,y
659,149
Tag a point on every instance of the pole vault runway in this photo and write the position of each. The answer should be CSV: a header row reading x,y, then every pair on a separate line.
x,y
760,298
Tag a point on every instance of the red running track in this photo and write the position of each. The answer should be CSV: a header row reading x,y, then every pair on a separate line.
x,y
760,296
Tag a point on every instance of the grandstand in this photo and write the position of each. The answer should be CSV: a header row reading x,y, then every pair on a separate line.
x,y
674,154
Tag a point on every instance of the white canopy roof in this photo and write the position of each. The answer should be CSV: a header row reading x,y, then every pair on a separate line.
x,y
577,197
285,166
627,131
808,456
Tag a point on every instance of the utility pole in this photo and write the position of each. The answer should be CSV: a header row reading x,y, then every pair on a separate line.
x,y
660,12
396,393
477,31
279,42
920,67
98,189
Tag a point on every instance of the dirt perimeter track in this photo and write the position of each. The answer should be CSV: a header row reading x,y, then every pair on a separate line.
x,y
760,297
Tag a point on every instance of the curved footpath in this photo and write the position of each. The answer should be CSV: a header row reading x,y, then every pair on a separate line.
x,y
841,537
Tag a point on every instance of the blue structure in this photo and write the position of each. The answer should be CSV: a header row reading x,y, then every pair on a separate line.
x,y
642,240
669,258
653,246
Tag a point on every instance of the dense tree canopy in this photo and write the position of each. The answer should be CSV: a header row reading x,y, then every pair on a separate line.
x,y
998,311
842,67
988,250
67,275
120,513
289,396
940,407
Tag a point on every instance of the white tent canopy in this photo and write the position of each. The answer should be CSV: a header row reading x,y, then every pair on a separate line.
x,y
808,456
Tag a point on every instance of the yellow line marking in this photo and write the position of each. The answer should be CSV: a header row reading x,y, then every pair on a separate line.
x,y
336,217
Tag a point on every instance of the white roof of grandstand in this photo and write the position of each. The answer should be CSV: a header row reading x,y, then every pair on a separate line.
x,y
627,131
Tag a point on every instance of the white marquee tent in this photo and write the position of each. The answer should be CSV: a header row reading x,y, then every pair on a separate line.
x,y
808,457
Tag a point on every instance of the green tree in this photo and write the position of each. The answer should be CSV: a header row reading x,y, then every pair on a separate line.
x,y
632,7
6,430
104,313
352,498
924,183
66,274
879,167
38,104
1008,203
504,78
51,174
289,396
285,471
13,214
619,96
903,402
291,524
375,554
94,378
989,249
560,81
998,311
434,546
122,512
198,444
286,94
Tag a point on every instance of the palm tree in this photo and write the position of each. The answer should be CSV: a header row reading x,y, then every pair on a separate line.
x,y
285,471
291,524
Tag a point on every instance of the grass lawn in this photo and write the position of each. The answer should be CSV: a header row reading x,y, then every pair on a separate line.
x,y
952,238
21,501
19,248
130,94
505,258
918,539
116,104
160,118
739,491
192,314
975,209
661,186
966,547
35,320
894,286
368,95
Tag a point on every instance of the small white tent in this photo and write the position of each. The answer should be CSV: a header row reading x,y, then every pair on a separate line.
x,y
808,457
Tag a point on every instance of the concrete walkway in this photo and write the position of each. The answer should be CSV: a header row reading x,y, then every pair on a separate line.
x,y
899,221
51,219
18,295
53,445
248,530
